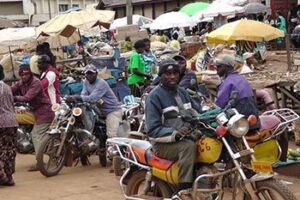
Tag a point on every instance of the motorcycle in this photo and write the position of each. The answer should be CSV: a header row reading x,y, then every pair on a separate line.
x,y
26,121
77,132
225,160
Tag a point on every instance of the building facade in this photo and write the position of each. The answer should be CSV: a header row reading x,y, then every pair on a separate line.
x,y
147,8
36,12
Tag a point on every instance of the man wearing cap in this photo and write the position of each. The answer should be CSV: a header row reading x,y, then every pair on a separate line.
x,y
29,90
186,75
165,103
232,81
49,78
95,90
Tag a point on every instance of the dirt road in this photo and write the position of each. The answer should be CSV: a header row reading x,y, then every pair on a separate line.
x,y
77,183
84,183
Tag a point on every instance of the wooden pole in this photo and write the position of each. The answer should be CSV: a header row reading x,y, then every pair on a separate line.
x,y
288,52
129,11
49,9
12,63
83,54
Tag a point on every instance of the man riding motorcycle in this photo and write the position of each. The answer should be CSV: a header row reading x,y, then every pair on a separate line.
x,y
231,82
166,105
29,90
96,90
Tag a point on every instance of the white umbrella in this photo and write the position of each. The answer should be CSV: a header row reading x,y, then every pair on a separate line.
x,y
171,20
136,19
15,38
216,9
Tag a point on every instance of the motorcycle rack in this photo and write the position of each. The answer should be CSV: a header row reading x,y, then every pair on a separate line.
x,y
117,142
216,175
286,116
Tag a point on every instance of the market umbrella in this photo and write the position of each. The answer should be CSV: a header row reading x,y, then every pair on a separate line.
x,y
15,38
216,9
244,29
69,35
255,8
83,19
192,8
7,23
136,19
172,20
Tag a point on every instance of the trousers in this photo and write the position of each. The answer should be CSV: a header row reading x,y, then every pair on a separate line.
x,y
8,152
38,133
113,120
183,151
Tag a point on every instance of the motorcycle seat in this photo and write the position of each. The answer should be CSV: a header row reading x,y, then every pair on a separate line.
x,y
145,155
269,122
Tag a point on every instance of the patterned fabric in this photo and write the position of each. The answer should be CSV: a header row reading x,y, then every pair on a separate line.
x,y
8,149
7,110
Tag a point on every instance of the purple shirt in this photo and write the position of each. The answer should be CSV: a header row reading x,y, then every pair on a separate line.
x,y
33,94
233,82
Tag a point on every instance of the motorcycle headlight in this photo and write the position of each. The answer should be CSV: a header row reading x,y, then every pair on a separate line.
x,y
61,109
238,126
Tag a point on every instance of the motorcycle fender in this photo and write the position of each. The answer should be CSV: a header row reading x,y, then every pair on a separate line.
x,y
261,177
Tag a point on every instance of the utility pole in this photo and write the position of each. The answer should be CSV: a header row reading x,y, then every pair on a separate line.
x,y
49,9
128,11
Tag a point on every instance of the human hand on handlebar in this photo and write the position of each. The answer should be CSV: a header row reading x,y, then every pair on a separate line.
x,y
73,98
184,131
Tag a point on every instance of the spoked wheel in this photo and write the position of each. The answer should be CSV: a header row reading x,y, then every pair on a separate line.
x,y
157,189
48,162
273,190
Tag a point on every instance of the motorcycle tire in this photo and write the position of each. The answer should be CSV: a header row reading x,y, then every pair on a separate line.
x,y
135,184
117,166
268,187
50,151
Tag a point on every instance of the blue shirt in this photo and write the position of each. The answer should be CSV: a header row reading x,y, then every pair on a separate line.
x,y
233,82
100,90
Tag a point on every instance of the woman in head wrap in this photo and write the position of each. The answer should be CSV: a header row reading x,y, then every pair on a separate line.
x,y
8,134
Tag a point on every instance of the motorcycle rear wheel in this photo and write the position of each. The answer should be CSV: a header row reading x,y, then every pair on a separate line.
x,y
136,184
48,149
272,189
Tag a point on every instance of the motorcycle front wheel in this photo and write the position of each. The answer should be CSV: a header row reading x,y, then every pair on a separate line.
x,y
48,162
136,184
272,189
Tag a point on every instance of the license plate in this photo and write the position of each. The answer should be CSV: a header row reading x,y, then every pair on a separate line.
x,y
262,167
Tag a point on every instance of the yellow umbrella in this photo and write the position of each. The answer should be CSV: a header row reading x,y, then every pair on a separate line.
x,y
244,29
83,19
